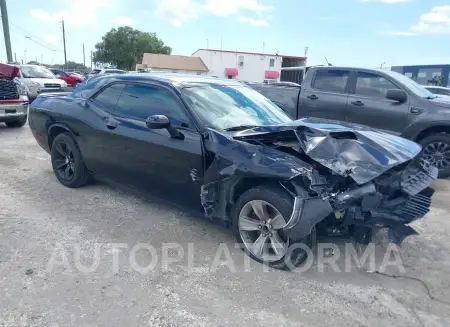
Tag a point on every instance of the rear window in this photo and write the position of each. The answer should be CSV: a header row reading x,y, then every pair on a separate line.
x,y
112,71
331,80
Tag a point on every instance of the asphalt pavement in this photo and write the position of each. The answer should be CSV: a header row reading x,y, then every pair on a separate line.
x,y
107,256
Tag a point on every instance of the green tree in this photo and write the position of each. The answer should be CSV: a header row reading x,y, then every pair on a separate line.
x,y
126,46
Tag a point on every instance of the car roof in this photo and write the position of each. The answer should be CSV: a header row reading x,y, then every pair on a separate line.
x,y
436,87
181,80
176,79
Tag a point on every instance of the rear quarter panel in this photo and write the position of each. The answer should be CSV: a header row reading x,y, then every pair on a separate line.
x,y
54,109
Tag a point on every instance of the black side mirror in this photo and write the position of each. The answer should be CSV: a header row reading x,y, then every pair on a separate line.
x,y
160,122
396,95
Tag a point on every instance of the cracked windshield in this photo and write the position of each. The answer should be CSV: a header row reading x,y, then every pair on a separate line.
x,y
205,163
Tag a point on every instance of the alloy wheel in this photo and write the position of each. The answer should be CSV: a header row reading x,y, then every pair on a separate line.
x,y
261,230
437,154
64,162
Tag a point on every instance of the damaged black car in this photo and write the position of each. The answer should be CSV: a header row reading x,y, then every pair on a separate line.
x,y
221,149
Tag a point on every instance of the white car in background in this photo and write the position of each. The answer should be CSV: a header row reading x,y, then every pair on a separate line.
x,y
438,89
104,71
39,79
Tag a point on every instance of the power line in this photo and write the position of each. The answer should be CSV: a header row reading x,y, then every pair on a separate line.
x,y
33,37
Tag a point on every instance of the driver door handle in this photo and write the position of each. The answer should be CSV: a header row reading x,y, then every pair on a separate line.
x,y
357,103
111,123
312,97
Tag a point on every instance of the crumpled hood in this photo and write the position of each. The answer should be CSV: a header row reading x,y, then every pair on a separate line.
x,y
345,148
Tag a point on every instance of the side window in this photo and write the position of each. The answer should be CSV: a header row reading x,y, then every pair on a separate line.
x,y
108,97
139,101
372,85
433,90
444,92
331,80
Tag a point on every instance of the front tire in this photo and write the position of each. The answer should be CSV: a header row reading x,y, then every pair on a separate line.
x,y
67,162
436,149
259,216
74,84
17,123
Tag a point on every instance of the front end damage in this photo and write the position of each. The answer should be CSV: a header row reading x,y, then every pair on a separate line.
x,y
343,177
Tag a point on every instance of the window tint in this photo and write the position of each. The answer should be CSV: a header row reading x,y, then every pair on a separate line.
x,y
372,85
140,102
444,92
109,96
433,90
331,80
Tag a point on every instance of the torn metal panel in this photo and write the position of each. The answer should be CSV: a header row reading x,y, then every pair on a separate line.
x,y
347,149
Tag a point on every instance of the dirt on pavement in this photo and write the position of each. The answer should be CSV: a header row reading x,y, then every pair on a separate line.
x,y
51,235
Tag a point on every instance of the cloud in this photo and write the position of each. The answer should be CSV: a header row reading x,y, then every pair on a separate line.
x,y
50,39
225,8
436,21
253,21
178,12
122,20
384,1
80,12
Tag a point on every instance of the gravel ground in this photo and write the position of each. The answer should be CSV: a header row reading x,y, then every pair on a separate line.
x,y
45,228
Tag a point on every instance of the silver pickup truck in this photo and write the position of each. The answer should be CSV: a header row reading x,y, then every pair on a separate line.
x,y
385,100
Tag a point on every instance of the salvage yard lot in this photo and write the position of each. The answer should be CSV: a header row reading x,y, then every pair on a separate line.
x,y
40,218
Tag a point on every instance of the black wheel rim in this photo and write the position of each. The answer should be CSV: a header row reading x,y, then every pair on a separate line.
x,y
63,161
437,154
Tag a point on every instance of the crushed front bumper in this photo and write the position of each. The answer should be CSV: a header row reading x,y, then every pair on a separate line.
x,y
391,201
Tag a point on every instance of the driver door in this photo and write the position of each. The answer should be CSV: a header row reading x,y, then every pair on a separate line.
x,y
151,159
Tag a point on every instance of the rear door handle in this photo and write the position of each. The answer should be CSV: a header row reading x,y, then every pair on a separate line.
x,y
111,123
357,103
312,97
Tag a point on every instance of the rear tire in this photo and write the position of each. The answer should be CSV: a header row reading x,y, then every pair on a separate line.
x,y
436,149
17,123
67,162
277,202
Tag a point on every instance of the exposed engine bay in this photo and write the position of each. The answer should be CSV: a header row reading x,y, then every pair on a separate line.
x,y
342,176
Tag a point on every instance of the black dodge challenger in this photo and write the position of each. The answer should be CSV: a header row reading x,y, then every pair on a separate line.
x,y
222,149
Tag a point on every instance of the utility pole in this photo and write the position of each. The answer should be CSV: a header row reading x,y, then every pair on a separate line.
x,y
64,42
91,60
6,30
84,57
15,57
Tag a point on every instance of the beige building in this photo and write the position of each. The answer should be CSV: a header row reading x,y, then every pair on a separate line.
x,y
172,63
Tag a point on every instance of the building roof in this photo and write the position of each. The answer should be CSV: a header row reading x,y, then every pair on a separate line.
x,y
253,53
189,63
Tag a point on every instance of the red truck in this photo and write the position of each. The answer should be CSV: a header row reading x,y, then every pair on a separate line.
x,y
13,97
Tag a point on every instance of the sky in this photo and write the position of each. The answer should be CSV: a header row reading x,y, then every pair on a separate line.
x,y
367,33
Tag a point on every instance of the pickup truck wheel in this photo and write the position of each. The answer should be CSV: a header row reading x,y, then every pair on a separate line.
x,y
259,216
67,162
17,123
436,149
